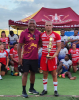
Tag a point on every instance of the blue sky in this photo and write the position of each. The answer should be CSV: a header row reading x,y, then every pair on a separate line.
x,y
19,9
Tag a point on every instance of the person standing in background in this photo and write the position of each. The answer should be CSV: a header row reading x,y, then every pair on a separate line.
x,y
12,38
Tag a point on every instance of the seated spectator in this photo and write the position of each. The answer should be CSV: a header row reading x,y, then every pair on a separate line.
x,y
13,38
62,52
14,56
75,38
65,65
3,60
4,38
74,52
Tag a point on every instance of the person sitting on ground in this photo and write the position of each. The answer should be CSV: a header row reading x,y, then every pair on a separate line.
x,y
13,38
14,57
11,63
4,38
74,52
65,65
62,52
3,60
8,50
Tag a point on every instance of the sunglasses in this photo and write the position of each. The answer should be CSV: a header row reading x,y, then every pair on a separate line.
x,y
34,37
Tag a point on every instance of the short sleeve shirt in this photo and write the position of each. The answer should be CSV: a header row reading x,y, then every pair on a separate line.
x,y
12,38
74,54
30,44
6,40
62,53
45,42
3,56
67,63
64,38
14,53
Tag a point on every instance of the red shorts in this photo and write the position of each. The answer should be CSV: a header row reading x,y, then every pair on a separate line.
x,y
15,64
75,63
48,65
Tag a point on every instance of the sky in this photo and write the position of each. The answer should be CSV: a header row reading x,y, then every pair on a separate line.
x,y
19,9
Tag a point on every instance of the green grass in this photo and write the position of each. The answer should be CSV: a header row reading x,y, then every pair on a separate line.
x,y
12,85
39,98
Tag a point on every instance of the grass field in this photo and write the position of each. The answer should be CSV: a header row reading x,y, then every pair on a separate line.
x,y
11,86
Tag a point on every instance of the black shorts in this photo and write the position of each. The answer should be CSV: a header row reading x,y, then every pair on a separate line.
x,y
3,67
31,65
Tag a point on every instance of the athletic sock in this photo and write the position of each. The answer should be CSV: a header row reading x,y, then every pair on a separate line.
x,y
12,68
55,86
31,86
45,84
24,89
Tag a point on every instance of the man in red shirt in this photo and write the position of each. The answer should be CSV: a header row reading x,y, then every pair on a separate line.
x,y
30,39
75,56
50,64
14,56
3,60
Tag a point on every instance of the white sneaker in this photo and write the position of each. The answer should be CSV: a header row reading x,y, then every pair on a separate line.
x,y
0,77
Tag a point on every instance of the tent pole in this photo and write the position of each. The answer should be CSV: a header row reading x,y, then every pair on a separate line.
x,y
17,31
9,28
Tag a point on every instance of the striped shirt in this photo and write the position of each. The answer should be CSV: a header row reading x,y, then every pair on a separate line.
x,y
45,42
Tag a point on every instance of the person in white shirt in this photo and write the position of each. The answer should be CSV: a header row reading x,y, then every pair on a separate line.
x,y
12,38
63,36
65,65
62,52
75,38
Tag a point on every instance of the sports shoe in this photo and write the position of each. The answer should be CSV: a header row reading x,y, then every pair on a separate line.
x,y
43,92
0,77
56,93
12,74
33,91
63,75
59,75
24,95
16,74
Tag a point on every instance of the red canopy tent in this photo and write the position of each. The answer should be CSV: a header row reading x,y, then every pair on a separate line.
x,y
61,18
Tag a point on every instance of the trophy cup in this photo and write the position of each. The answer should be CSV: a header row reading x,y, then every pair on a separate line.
x,y
49,47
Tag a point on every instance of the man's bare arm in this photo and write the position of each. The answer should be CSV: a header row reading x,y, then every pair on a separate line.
x,y
58,49
19,53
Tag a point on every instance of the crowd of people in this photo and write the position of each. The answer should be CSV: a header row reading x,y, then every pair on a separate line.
x,y
8,53
28,54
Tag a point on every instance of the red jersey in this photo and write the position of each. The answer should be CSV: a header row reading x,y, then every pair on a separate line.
x,y
74,54
14,53
45,42
6,39
3,56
